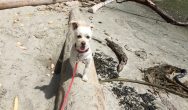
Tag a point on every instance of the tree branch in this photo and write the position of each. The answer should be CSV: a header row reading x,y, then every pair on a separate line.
x,y
145,83
163,14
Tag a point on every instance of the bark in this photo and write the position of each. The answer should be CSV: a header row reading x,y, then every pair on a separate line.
x,y
162,13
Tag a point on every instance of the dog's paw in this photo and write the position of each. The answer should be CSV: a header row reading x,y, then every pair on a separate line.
x,y
84,78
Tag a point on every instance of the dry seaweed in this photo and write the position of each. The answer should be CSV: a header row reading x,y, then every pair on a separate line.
x,y
105,66
160,75
129,99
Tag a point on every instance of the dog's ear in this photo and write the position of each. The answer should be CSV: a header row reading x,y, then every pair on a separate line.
x,y
74,24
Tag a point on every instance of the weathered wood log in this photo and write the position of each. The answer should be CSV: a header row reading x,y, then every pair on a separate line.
x,y
94,8
162,13
83,95
122,57
4,4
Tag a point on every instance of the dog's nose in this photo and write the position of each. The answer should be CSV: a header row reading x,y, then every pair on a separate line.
x,y
83,43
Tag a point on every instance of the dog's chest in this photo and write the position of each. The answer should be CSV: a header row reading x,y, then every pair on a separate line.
x,y
83,57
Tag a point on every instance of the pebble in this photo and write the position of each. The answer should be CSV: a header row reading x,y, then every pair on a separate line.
x,y
52,66
50,22
48,75
16,20
18,44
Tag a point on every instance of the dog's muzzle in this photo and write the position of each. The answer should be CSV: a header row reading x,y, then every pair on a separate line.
x,y
81,51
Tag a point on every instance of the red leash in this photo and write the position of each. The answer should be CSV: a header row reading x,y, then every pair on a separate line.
x,y
69,88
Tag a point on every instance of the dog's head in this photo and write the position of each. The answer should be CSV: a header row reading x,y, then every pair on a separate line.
x,y
82,34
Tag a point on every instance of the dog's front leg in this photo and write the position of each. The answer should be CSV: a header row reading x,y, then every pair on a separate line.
x,y
86,70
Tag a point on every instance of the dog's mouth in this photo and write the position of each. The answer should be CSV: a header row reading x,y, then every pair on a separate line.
x,y
82,49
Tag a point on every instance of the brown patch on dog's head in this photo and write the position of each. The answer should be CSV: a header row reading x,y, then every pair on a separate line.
x,y
74,24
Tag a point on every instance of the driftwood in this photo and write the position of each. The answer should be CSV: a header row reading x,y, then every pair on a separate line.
x,y
4,4
145,83
94,8
16,103
163,14
83,95
122,57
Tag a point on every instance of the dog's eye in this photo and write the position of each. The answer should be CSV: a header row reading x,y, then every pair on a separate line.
x,y
87,37
79,36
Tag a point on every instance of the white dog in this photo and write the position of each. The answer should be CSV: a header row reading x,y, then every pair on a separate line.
x,y
81,50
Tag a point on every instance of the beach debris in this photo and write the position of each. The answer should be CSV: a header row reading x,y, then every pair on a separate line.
x,y
52,66
130,99
48,75
128,48
122,57
23,48
16,20
167,76
20,45
96,7
16,102
120,79
105,66
100,22
99,41
141,54
107,34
